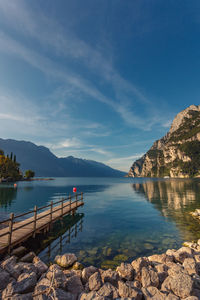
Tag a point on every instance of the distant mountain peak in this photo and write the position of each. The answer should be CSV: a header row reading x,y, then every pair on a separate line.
x,y
181,115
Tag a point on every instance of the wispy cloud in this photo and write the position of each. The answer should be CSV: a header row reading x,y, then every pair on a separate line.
x,y
50,35
123,163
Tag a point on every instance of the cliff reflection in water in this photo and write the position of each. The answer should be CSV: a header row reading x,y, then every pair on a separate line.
x,y
174,198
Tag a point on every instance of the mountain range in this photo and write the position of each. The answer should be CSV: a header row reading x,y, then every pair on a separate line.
x,y
177,154
44,163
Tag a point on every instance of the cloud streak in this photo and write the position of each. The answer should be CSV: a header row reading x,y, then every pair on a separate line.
x,y
50,35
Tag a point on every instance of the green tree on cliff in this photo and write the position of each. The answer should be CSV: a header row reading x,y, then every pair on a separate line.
x,y
8,168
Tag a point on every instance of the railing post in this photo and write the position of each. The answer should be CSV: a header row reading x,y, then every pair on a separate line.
x,y
62,207
76,199
35,220
51,211
10,232
82,197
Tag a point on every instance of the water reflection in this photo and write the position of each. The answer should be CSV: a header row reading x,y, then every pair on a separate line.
x,y
174,199
62,233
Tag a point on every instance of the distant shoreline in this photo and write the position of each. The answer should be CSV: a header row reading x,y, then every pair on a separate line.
x,y
24,179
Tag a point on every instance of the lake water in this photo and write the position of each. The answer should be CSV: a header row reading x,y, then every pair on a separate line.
x,y
122,218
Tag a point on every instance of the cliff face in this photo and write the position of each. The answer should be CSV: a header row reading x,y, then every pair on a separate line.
x,y
177,154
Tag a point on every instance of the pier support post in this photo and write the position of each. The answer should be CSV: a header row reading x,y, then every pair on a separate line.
x,y
51,211
62,208
10,232
35,220
70,203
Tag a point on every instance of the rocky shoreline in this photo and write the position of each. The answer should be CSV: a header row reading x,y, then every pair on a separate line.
x,y
172,275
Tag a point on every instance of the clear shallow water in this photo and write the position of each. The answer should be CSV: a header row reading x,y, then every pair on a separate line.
x,y
122,218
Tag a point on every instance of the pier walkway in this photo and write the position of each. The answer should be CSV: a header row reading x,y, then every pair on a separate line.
x,y
16,232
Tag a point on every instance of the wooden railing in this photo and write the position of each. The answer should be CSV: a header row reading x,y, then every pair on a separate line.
x,y
35,217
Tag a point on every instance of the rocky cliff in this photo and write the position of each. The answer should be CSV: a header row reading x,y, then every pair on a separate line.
x,y
177,154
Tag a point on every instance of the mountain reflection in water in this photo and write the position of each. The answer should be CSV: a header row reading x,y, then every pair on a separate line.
x,y
174,198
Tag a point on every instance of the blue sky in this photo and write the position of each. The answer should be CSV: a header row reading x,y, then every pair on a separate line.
x,y
97,79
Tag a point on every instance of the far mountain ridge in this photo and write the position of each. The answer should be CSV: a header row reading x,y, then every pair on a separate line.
x,y
44,163
177,154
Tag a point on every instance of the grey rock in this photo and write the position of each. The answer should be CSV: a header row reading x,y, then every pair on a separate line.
x,y
40,266
161,258
183,253
127,289
171,296
42,286
77,266
152,293
149,277
196,292
166,287
87,272
110,276
69,273
91,296
176,269
125,271
196,281
24,284
138,264
21,297
66,260
10,266
56,275
19,251
95,281
161,270
28,257
86,288
74,285
26,268
4,278
108,290
191,266
181,285
59,294
192,298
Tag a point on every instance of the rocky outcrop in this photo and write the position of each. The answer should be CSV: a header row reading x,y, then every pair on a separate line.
x,y
177,153
173,275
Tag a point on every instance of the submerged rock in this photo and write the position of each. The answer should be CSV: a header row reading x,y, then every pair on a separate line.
x,y
95,281
66,260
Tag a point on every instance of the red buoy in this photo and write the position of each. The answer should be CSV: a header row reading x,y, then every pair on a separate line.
x,y
74,189
15,185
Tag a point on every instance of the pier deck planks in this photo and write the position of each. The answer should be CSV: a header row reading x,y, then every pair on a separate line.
x,y
25,232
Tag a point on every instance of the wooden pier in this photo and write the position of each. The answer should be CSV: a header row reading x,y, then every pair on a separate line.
x,y
17,232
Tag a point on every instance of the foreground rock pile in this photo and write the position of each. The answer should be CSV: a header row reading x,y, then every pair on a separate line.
x,y
173,275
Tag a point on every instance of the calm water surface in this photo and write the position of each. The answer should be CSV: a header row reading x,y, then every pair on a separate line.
x,y
121,219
